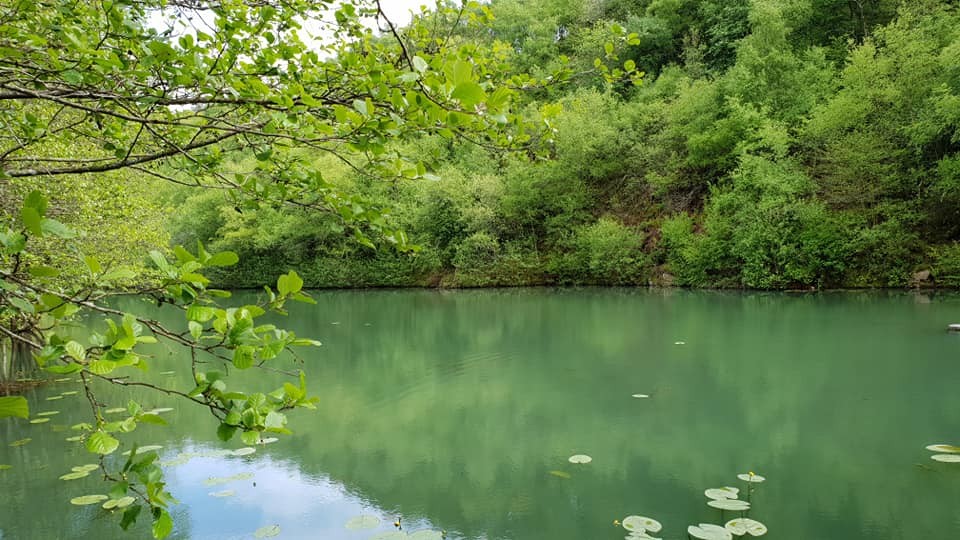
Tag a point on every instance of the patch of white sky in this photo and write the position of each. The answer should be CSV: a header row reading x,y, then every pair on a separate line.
x,y
398,12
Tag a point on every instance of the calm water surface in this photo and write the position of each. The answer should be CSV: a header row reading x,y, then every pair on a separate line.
x,y
451,409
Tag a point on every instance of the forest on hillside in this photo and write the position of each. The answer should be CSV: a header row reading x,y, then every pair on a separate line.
x,y
769,144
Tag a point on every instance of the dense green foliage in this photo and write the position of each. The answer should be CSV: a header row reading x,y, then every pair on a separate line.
x,y
810,143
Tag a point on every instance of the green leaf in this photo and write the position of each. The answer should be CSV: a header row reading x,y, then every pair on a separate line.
x,y
102,443
289,283
88,499
196,329
31,220
243,357
43,271
224,258
130,517
469,94
14,406
54,227
267,532
93,264
162,523
225,432
250,437
420,64
200,313
76,350
37,201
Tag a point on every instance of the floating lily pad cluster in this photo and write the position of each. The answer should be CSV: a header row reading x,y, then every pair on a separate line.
x,y
724,498
946,453
727,498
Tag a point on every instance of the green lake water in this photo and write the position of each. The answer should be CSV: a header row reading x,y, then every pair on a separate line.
x,y
451,409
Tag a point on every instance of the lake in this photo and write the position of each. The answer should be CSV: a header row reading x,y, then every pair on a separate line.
x,y
458,411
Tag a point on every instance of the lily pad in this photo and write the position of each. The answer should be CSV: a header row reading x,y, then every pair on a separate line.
x,y
640,396
722,493
5,467
729,504
145,448
115,410
750,477
88,499
69,393
160,410
561,474
21,442
214,481
946,458
168,373
221,494
267,532
641,523
39,420
48,413
54,398
948,448
580,459
268,440
427,534
89,467
742,526
246,451
122,502
679,342
75,475
363,522
75,438
709,531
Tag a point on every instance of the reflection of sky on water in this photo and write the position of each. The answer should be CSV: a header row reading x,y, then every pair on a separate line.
x,y
277,494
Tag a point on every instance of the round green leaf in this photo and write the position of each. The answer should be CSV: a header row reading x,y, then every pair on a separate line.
x,y
89,467
267,532
122,502
946,458
363,522
641,523
88,499
722,493
75,475
750,477
580,459
742,526
102,443
947,448
729,504
4,467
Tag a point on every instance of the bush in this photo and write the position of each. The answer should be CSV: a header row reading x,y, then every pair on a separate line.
x,y
605,252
